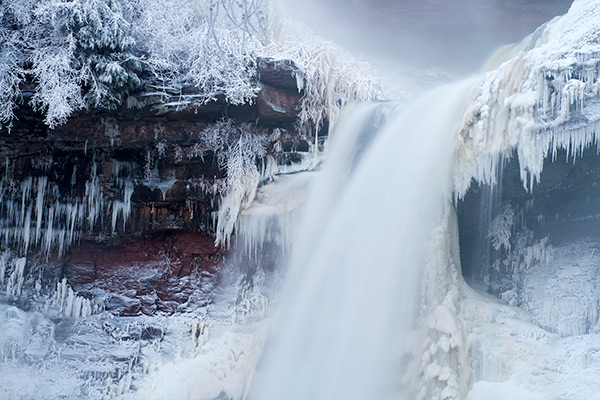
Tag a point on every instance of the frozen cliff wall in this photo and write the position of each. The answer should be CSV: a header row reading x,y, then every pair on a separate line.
x,y
541,98
527,173
140,130
87,68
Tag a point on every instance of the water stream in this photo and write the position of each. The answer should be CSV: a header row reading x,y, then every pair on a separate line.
x,y
354,279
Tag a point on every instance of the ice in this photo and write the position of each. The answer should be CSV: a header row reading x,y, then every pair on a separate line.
x,y
42,217
274,215
223,367
14,283
380,307
534,101
123,208
4,263
93,195
153,180
70,304
562,294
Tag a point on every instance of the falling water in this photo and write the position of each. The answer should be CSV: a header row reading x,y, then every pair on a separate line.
x,y
354,276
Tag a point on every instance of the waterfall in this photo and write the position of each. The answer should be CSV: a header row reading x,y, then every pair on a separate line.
x,y
353,282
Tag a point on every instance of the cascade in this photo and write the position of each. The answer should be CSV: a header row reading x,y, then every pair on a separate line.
x,y
355,272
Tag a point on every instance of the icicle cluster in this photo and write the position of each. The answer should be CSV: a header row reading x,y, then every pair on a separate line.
x,y
237,148
12,272
70,304
542,97
34,215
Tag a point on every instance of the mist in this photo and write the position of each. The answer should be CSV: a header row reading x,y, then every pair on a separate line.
x,y
455,36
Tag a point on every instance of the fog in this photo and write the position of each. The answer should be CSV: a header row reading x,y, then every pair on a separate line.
x,y
456,36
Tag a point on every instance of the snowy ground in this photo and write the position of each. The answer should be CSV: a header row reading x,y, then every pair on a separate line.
x,y
47,355
548,347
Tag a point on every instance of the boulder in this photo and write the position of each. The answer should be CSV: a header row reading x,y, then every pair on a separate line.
x,y
276,106
283,74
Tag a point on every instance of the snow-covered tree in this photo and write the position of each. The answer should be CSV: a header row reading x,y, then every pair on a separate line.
x,y
211,44
80,53
90,53
86,59
16,32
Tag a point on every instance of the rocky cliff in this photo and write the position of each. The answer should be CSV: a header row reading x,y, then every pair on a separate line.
x,y
124,204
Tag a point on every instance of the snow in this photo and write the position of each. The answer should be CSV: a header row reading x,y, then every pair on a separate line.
x,y
561,294
222,367
67,346
212,45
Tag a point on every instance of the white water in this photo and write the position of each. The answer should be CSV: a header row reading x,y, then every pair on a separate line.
x,y
354,277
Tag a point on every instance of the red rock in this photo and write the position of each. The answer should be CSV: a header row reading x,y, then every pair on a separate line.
x,y
144,275
276,105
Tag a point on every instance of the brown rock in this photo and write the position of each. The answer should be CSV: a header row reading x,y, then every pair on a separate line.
x,y
144,275
276,105
279,73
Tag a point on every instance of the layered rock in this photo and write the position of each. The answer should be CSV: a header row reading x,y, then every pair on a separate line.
x,y
125,202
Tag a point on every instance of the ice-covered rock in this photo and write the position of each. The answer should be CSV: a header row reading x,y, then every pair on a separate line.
x,y
541,98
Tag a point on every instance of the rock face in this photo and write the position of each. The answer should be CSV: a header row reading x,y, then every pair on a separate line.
x,y
157,272
562,206
123,202
538,250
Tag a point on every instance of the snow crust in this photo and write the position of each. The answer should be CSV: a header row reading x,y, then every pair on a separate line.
x,y
221,368
58,344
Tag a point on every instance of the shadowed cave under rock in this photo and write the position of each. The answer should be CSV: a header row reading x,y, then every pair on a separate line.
x,y
538,250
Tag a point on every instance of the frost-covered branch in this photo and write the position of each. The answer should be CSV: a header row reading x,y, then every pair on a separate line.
x,y
92,53
237,149
58,92
501,228
212,44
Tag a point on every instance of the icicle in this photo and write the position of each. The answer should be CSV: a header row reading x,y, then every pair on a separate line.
x,y
39,206
122,208
4,263
14,284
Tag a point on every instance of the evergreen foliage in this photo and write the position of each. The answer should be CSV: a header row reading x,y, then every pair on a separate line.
x,y
91,53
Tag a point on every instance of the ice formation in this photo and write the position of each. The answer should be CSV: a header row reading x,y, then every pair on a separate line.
x,y
70,304
541,98
274,215
35,215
